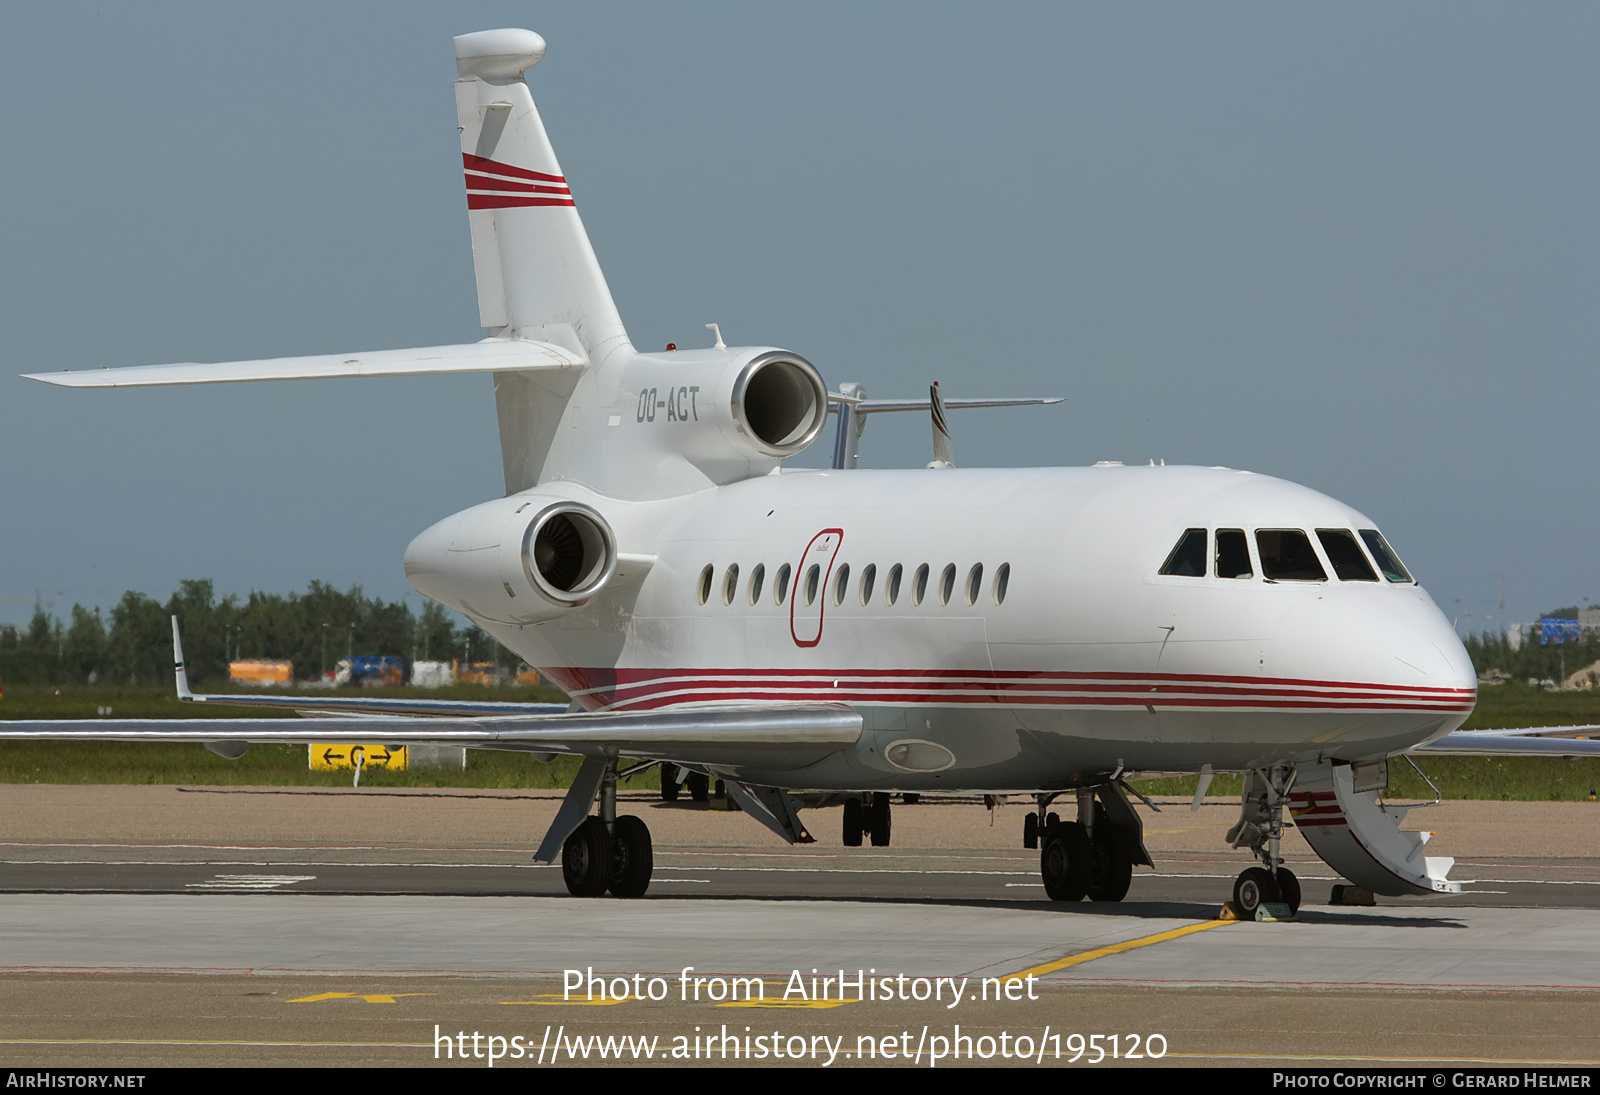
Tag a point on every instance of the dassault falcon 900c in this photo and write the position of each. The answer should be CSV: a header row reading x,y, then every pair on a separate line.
x,y
831,637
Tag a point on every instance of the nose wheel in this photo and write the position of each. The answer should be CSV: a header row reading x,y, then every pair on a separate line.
x,y
1260,828
1256,886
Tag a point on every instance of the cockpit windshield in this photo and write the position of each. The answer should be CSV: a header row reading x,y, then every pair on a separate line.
x,y
1387,560
1287,556
1188,558
1349,565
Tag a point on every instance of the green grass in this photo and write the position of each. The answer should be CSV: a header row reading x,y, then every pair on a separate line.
x,y
276,765
1510,706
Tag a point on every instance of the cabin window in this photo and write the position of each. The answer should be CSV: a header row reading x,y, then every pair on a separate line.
x,y
841,582
730,584
813,580
1349,565
891,592
947,584
1002,578
705,584
868,577
919,585
1286,556
1188,558
974,583
1233,554
757,577
780,587
1387,560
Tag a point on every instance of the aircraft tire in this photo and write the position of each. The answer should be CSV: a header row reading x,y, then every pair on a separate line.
x,y
1253,888
699,785
1110,865
1289,889
669,783
586,859
878,819
1064,861
632,858
853,823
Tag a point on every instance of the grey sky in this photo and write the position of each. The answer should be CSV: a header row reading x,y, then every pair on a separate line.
x,y
1353,246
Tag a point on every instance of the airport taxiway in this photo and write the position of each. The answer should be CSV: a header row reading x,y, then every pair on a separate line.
x,y
146,925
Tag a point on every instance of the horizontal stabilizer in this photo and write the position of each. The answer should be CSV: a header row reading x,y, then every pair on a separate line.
x,y
878,406
488,356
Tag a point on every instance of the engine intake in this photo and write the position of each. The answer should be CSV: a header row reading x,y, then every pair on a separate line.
x,y
780,403
568,553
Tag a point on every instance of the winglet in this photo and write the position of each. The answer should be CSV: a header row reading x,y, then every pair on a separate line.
x,y
178,670
943,454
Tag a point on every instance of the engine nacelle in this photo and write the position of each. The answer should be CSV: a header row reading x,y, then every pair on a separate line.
x,y
518,560
732,413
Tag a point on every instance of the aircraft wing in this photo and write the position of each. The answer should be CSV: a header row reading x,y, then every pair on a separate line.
x,y
492,355
774,735
1538,741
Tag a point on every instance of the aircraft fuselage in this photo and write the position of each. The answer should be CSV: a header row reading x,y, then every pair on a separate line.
x,y
1088,661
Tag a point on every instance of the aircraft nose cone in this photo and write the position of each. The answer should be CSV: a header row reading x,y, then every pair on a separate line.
x,y
1378,635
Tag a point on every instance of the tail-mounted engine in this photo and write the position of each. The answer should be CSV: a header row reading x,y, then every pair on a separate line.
x,y
732,413
519,560
568,553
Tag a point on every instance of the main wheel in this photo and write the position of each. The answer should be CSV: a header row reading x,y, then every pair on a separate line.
x,y
1253,888
1289,889
699,785
669,783
586,859
1064,861
1110,865
853,823
631,857
878,820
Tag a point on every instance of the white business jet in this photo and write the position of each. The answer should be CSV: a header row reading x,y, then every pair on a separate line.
x,y
829,637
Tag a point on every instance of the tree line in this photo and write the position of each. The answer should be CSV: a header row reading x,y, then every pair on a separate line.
x,y
132,643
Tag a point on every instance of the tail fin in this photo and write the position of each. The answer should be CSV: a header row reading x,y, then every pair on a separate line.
x,y
537,274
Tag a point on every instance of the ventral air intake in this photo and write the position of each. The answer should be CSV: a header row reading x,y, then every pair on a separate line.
x,y
568,553
780,403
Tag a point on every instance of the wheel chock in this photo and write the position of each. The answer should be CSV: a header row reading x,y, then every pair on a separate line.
x,y
1351,895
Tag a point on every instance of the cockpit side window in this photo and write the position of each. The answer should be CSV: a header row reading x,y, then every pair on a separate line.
x,y
1286,556
1233,554
1384,555
1188,558
1349,565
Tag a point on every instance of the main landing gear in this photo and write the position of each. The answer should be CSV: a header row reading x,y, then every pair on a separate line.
x,y
1260,828
867,816
1093,856
607,852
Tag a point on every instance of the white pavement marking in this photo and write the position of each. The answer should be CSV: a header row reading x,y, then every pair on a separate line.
x,y
250,881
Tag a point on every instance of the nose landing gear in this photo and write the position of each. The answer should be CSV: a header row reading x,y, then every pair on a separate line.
x,y
1260,828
